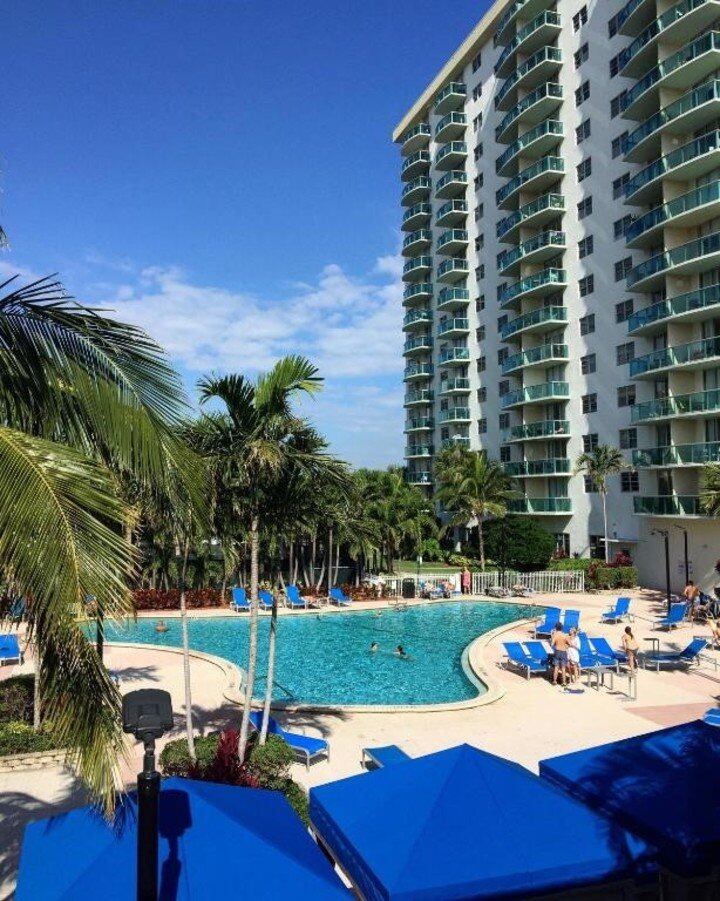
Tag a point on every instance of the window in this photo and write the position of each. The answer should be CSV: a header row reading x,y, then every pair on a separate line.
x,y
617,104
619,145
625,352
479,243
590,442
597,547
477,62
614,66
582,132
628,439
502,355
626,396
587,324
620,225
503,387
590,486
477,122
505,454
478,151
481,364
482,395
623,310
480,272
479,211
585,207
584,169
480,333
580,18
477,92
581,55
619,185
482,426
629,481
622,267
586,247
582,93
588,364
613,26
480,304
589,403
504,421
502,322
477,182
586,285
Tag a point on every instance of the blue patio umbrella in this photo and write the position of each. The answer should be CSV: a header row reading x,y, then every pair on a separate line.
x,y
463,823
663,785
215,841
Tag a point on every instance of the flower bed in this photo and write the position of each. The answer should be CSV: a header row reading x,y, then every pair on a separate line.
x,y
195,599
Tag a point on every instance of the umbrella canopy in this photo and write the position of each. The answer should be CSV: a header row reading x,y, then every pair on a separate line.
x,y
664,785
463,823
215,841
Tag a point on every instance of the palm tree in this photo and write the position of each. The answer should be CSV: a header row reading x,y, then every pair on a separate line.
x,y
84,400
710,493
401,512
603,461
472,487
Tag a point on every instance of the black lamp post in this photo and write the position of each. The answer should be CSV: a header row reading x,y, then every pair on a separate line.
x,y
666,537
685,549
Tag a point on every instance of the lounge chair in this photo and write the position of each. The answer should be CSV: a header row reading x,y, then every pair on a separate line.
x,y
265,600
338,596
618,612
687,657
387,755
519,658
539,651
571,620
10,649
673,619
589,658
604,649
712,717
305,747
552,618
239,600
293,599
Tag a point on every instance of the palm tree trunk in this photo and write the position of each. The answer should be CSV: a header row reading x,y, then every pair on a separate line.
x,y
37,709
270,672
253,642
481,543
291,559
330,560
189,731
337,563
603,495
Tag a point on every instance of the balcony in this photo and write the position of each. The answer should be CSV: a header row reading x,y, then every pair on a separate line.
x,y
683,308
415,451
695,256
524,8
453,241
417,318
456,441
419,478
451,126
534,108
453,299
418,372
454,414
559,466
635,16
453,328
415,138
687,163
541,505
416,293
452,184
451,155
678,24
416,241
678,72
680,406
540,284
668,505
684,116
536,143
543,29
683,356
534,179
419,398
544,354
417,268
453,270
539,67
454,356
536,213
421,424
416,215
685,211
416,164
454,386
452,212
416,190
421,345
538,431
535,394
537,249
678,455
451,97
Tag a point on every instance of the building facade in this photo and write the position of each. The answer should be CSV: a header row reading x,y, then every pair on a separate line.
x,y
561,234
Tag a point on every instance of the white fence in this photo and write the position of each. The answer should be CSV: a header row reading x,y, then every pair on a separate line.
x,y
546,582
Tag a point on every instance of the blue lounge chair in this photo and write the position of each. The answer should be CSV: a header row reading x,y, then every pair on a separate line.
x,y
571,620
10,649
618,612
265,599
552,618
673,619
293,599
519,658
603,649
239,600
387,755
712,716
305,747
687,657
338,596
589,659
539,651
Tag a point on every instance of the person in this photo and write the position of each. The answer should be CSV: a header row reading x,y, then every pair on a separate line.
x,y
373,647
630,646
560,645
400,651
161,626
574,655
715,631
691,593
465,580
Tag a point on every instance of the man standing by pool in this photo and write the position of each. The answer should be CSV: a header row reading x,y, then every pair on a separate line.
x,y
560,645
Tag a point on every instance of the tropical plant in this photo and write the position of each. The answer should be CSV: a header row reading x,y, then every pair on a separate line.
x,y
518,542
710,493
598,465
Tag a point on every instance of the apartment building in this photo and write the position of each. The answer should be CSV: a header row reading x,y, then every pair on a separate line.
x,y
561,223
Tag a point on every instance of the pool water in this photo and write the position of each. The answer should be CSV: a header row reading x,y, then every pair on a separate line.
x,y
326,659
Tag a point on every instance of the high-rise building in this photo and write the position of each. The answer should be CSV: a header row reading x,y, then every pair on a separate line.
x,y
561,223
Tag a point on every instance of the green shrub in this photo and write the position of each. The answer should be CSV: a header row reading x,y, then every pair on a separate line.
x,y
21,738
270,762
431,551
571,563
612,577
16,699
298,800
520,542
175,758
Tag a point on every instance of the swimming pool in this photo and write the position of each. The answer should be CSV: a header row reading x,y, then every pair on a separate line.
x,y
326,659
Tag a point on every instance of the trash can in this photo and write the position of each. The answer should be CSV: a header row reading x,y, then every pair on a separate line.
x,y
408,588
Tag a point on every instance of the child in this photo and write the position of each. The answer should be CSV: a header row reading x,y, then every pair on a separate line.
x,y
630,646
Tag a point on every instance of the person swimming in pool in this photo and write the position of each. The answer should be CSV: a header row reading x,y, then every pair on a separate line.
x,y
161,626
400,652
374,647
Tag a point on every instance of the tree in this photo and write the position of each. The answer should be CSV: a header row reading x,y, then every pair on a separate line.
x,y
710,493
598,465
519,543
472,487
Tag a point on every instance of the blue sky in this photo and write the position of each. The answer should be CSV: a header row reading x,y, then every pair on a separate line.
x,y
222,173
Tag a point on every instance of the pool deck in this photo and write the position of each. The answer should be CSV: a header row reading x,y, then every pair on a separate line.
x,y
527,721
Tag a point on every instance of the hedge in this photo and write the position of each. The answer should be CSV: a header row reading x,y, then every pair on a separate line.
x,y
21,738
599,574
16,699
159,599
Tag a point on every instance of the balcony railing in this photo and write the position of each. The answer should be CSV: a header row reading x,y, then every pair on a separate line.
x,y
629,10
419,450
549,164
423,236
534,356
534,393
455,414
514,10
452,297
418,291
454,150
548,202
421,424
451,385
454,237
683,157
678,455
453,209
419,478
453,94
415,317
548,127
683,258
547,91
665,214
420,131
453,181
453,269
454,355
419,210
675,306
681,355
678,405
418,344
552,239
557,466
539,282
418,187
419,160
545,20
549,428
419,397
453,122
417,265
453,325
539,58
668,505
456,441
540,505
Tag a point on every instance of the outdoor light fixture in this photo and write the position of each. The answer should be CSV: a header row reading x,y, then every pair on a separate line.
x,y
685,547
666,536
147,714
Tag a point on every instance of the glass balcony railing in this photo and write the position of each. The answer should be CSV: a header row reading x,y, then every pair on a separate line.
x,y
415,214
676,261
655,30
535,393
422,236
417,317
423,343
419,397
451,154
540,505
452,297
419,450
415,189
554,203
629,10
678,455
557,466
548,91
417,266
452,123
543,22
453,209
539,58
539,283
550,316
416,161
418,133
453,181
525,7
451,385
534,356
418,371
681,159
552,239
419,478
681,355
421,424
453,269
549,428
453,325
418,292
455,237
455,414
675,306
550,127
679,405
549,164
453,94
454,355
668,505
456,441
665,214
